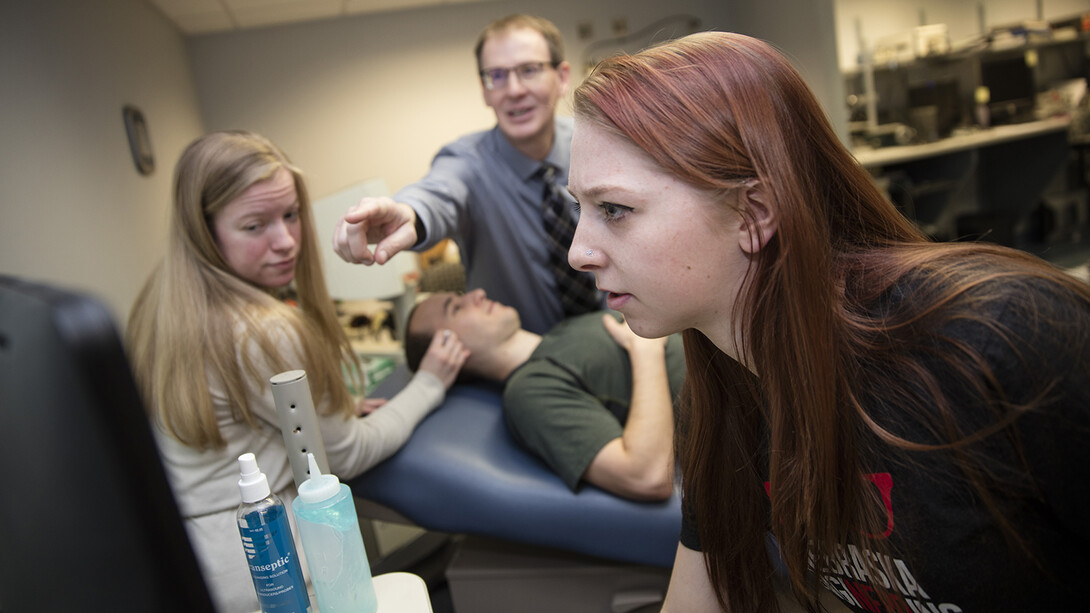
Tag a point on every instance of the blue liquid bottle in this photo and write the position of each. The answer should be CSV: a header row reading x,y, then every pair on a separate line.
x,y
332,542
268,543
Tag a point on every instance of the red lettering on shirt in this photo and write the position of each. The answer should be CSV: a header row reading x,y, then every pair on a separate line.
x,y
884,483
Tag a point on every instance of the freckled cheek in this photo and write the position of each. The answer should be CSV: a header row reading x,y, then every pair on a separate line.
x,y
666,272
673,248
690,261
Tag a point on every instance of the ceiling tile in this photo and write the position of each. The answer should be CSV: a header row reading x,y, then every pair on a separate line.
x,y
188,7
251,13
273,5
375,6
203,16
204,23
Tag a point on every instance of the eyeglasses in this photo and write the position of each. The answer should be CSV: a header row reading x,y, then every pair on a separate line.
x,y
496,78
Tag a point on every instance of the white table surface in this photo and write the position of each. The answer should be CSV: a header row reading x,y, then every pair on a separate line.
x,y
396,592
402,593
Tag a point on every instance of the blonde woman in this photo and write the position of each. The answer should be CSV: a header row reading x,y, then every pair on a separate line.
x,y
210,328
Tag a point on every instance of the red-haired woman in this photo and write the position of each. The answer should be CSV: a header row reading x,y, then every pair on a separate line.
x,y
905,417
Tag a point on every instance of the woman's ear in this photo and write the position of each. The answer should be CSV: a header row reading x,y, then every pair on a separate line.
x,y
758,220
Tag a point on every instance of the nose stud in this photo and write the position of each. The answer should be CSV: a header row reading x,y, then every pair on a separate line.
x,y
590,252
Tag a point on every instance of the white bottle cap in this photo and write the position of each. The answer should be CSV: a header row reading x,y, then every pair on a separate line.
x,y
318,487
254,485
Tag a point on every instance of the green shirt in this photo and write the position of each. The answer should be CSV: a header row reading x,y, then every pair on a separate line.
x,y
572,396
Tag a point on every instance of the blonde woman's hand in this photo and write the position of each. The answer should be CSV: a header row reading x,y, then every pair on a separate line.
x,y
366,406
445,357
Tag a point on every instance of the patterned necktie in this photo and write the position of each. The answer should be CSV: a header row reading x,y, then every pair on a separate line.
x,y
577,289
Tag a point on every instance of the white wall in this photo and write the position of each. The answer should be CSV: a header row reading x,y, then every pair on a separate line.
x,y
882,18
73,209
805,32
375,96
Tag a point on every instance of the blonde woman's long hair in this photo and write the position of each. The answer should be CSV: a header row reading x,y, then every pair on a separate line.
x,y
194,317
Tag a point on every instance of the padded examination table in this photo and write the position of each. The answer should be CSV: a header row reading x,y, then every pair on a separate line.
x,y
462,472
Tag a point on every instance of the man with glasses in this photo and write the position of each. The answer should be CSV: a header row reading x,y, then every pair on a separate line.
x,y
490,190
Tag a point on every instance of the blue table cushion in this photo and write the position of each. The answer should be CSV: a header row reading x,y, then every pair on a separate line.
x,y
462,472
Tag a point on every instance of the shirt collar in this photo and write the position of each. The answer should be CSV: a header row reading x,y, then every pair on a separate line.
x,y
559,156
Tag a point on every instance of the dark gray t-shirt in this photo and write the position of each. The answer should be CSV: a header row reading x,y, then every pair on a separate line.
x,y
946,551
572,396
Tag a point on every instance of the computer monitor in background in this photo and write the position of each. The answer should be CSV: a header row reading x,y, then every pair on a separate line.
x,y
1011,86
87,519
933,108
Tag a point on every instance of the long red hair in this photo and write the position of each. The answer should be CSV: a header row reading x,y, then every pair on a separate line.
x,y
711,109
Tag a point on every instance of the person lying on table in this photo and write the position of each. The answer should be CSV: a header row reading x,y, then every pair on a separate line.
x,y
589,397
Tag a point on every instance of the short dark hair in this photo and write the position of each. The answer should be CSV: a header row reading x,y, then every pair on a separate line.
x,y
529,22
416,346
416,342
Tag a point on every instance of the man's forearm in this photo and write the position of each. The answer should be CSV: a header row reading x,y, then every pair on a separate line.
x,y
639,464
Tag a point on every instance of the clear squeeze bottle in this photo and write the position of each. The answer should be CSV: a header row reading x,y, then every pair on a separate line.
x,y
332,542
268,543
